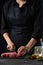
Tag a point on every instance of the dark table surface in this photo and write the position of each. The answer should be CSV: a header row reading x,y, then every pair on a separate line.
x,y
20,62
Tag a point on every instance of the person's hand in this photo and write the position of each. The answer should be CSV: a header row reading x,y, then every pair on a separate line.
x,y
22,50
11,47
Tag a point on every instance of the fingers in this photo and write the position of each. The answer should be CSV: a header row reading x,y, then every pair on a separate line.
x,y
20,49
11,47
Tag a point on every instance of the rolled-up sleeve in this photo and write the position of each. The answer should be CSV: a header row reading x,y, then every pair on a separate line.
x,y
4,25
37,30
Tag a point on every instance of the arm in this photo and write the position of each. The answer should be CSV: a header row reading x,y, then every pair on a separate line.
x,y
36,31
5,31
7,38
30,44
36,36
10,44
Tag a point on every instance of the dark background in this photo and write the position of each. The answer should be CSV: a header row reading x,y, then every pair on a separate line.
x,y
42,17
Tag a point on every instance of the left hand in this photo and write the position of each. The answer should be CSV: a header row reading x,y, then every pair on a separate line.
x,y
22,50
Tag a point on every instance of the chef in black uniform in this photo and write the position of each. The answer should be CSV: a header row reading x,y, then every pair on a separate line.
x,y
20,25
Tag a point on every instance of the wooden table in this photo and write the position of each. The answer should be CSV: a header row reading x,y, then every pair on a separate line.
x,y
20,62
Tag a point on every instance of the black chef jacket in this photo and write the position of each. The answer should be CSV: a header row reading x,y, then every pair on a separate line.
x,y
23,23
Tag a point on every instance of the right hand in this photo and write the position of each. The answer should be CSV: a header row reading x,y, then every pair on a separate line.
x,y
11,47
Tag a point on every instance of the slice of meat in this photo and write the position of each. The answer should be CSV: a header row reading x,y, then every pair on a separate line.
x,y
12,55
3,55
9,55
